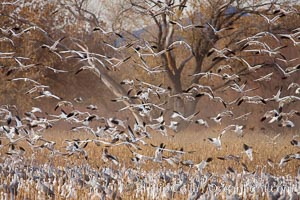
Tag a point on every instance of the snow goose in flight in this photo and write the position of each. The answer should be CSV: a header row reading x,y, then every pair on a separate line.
x,y
31,114
295,85
47,94
53,48
273,20
293,68
10,3
223,67
238,129
37,88
241,88
284,160
56,71
200,166
152,53
118,48
272,140
180,42
186,96
217,141
212,97
20,67
287,61
243,116
182,27
11,135
196,87
112,121
173,126
7,39
137,162
291,37
267,33
230,157
177,153
160,118
108,157
273,114
249,151
251,99
91,68
92,107
202,122
158,90
209,75
91,58
14,34
295,143
231,77
286,123
63,104
8,116
286,73
26,80
141,158
255,43
252,68
98,28
268,51
264,78
78,99
215,31
287,115
284,100
128,82
36,109
220,52
77,146
247,39
158,153
219,117
270,163
188,119
150,70
12,150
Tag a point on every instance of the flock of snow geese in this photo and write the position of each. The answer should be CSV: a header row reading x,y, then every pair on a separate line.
x,y
175,178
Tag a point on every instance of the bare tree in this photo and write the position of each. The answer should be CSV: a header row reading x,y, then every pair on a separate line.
x,y
192,39
199,47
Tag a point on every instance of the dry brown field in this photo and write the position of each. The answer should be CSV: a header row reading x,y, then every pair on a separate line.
x,y
263,148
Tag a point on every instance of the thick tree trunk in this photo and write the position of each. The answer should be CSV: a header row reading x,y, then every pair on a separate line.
x,y
188,108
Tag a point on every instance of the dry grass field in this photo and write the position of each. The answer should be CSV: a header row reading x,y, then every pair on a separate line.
x,y
263,148
197,142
